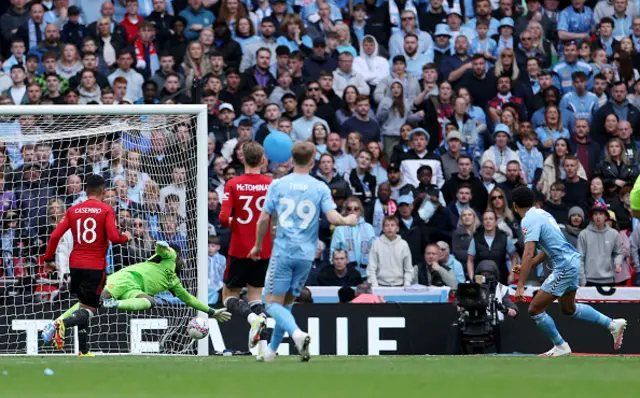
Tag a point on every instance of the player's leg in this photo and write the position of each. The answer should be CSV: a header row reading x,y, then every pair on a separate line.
x,y
258,334
537,311
236,278
136,301
587,313
50,329
87,285
280,307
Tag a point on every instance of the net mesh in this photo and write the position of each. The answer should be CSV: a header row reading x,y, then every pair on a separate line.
x,y
149,163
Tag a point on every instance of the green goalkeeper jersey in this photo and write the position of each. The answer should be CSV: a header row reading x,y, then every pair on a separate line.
x,y
152,277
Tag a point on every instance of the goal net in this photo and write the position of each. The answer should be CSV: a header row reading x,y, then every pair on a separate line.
x,y
154,159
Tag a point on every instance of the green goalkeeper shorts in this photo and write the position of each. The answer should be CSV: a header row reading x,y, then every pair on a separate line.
x,y
123,287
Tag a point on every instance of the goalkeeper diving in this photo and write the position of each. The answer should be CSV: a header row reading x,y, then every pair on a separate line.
x,y
132,288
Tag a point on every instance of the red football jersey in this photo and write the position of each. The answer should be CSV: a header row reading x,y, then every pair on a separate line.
x,y
243,199
93,225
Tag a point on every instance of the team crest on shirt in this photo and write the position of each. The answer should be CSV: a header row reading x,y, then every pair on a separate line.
x,y
524,231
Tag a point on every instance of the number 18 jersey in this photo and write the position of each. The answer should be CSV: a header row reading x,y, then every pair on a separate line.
x,y
298,200
243,201
540,227
93,225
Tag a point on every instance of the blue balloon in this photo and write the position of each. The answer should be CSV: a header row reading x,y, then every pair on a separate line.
x,y
277,147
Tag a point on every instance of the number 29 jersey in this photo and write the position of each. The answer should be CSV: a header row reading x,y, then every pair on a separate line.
x,y
298,200
242,203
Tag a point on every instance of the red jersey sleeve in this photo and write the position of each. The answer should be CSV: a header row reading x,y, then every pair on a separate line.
x,y
56,235
226,209
112,231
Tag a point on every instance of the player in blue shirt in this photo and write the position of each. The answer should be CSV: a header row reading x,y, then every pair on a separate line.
x,y
541,231
293,202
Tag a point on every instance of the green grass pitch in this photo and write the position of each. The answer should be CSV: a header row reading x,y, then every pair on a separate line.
x,y
326,377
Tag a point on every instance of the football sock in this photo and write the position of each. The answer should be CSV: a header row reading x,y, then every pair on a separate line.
x,y
588,313
70,311
79,318
548,327
83,344
278,332
240,308
257,308
134,304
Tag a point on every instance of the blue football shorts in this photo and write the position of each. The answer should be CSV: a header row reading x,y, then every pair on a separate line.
x,y
286,275
564,278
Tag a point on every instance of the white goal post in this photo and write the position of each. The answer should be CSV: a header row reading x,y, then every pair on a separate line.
x,y
87,135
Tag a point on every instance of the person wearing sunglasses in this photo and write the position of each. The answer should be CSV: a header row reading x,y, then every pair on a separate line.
x,y
356,240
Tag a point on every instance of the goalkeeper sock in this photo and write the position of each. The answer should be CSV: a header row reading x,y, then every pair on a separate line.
x,y
83,344
548,327
240,308
70,311
257,308
79,318
278,332
134,304
588,313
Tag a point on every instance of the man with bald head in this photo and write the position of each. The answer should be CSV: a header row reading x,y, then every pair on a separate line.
x,y
624,132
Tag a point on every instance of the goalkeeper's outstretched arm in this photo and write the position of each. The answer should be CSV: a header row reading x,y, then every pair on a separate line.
x,y
221,315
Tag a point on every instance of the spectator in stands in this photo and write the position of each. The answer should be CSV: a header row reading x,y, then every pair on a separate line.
x,y
465,175
369,64
419,155
217,264
355,240
390,261
393,112
134,79
55,213
500,154
302,127
398,72
431,272
616,170
574,225
618,105
18,90
462,235
555,205
318,61
463,201
601,253
515,177
412,228
490,243
448,261
33,194
506,220
362,183
340,274
327,173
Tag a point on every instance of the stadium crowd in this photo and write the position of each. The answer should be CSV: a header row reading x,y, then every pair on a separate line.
x,y
430,112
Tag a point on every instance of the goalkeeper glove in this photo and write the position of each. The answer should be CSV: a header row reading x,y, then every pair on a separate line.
x,y
220,315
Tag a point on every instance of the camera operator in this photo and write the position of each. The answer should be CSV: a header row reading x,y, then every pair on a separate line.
x,y
481,310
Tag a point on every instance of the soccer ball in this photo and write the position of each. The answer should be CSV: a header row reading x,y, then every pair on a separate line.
x,y
198,329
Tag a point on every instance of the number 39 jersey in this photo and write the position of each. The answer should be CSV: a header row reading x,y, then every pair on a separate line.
x,y
242,204
298,200
93,225
540,227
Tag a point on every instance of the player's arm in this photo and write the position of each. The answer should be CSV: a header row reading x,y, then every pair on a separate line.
x,y
112,231
180,292
56,235
226,208
338,219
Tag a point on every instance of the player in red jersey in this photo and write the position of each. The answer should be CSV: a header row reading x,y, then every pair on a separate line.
x,y
93,225
242,204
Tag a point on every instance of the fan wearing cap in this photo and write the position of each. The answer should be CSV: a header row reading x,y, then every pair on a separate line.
x,y
454,21
419,156
601,252
318,61
506,38
412,229
499,153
